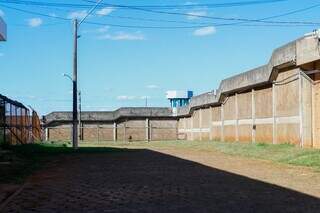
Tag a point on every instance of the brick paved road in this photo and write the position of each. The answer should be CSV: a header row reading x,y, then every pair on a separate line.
x,y
148,181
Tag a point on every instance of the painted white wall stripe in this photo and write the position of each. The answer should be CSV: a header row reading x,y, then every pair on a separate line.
x,y
279,120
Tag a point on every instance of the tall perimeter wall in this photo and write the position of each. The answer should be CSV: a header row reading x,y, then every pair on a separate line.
x,y
124,124
275,103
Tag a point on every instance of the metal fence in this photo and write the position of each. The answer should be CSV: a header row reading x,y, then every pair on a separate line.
x,y
17,124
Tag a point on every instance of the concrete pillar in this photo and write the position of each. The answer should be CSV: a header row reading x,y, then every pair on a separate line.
x,y
150,131
222,123
274,109
237,117
125,131
191,120
47,133
301,110
210,123
115,131
314,126
177,130
185,128
147,129
98,132
253,116
200,124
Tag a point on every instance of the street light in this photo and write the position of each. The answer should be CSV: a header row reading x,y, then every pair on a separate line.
x,y
67,76
79,107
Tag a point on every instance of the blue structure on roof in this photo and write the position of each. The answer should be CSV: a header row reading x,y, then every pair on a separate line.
x,y
179,98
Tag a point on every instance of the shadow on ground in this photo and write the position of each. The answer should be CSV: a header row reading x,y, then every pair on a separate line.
x,y
140,180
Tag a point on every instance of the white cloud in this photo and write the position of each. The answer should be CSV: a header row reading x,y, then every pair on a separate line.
x,y
152,86
194,14
190,3
105,11
126,98
103,29
77,14
130,98
204,31
35,22
123,36
1,13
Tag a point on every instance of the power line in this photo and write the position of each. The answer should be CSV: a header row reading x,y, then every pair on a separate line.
x,y
34,13
265,24
205,16
210,23
263,20
95,23
183,6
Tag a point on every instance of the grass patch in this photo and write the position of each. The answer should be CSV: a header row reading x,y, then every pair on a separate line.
x,y
282,153
18,162
25,159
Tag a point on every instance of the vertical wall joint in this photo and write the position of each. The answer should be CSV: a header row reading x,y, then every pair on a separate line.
x,y
253,115
237,117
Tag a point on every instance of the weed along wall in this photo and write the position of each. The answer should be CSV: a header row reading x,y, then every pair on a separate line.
x,y
276,103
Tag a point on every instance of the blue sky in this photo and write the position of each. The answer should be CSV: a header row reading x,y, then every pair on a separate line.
x,y
120,66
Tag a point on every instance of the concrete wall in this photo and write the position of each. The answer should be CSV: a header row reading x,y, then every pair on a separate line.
x,y
278,113
277,103
316,111
124,130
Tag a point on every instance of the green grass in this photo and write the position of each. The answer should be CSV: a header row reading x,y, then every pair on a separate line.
x,y
26,159
282,153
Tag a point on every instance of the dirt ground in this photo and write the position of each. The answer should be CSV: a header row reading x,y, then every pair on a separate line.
x,y
168,179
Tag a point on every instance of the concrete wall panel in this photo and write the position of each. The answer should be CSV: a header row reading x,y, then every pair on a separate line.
x,y
229,133
245,133
196,118
316,112
216,133
59,134
205,118
264,133
244,105
287,95
263,103
90,133
205,136
229,108
158,134
121,133
288,133
106,134
216,113
306,112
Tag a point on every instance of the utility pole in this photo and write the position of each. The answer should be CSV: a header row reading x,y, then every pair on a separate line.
x,y
80,126
75,87
75,75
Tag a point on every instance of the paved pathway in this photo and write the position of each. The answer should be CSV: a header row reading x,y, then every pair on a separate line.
x,y
150,181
